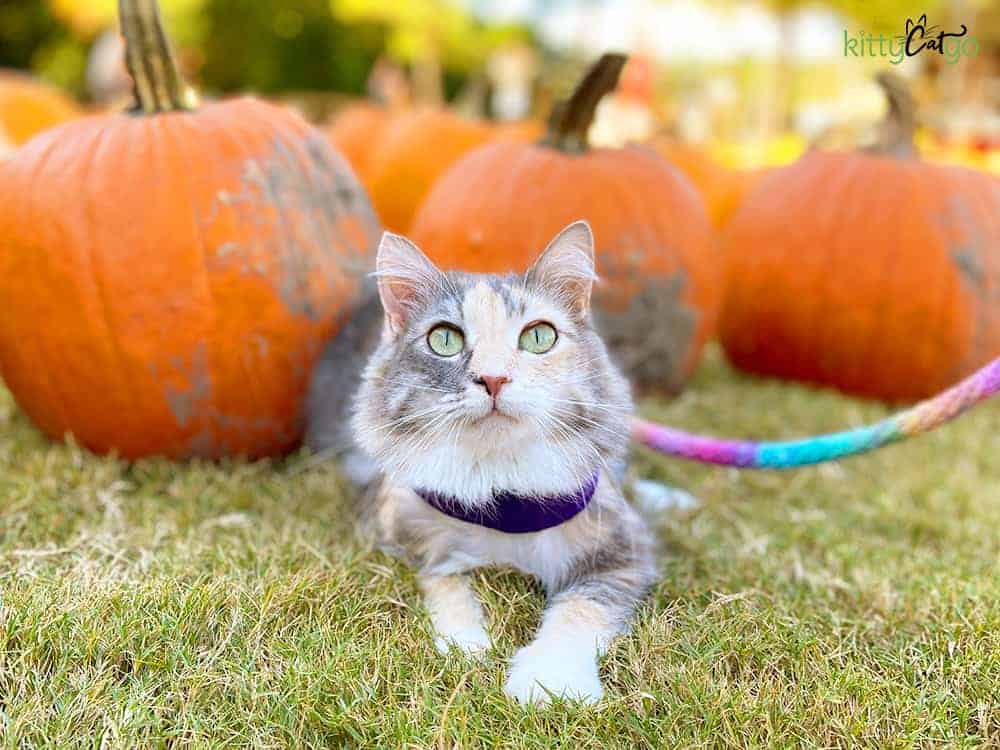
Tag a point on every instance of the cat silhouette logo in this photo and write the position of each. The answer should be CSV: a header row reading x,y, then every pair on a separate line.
x,y
920,35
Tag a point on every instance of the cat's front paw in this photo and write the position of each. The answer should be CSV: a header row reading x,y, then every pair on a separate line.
x,y
539,673
472,641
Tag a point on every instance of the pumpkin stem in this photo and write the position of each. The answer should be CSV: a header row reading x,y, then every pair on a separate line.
x,y
570,120
157,83
896,132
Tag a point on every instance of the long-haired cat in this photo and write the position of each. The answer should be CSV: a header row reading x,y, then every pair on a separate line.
x,y
490,427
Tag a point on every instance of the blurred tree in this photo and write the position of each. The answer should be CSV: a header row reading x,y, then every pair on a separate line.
x,y
90,17
263,45
430,35
884,16
275,45
32,37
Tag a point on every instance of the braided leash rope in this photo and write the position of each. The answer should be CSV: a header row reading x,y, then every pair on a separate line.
x,y
921,418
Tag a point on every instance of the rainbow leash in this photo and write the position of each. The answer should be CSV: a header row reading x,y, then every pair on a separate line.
x,y
921,418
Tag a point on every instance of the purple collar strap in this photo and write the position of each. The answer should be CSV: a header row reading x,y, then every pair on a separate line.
x,y
517,514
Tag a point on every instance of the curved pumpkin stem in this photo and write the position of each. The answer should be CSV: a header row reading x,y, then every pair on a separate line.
x,y
158,86
570,120
896,131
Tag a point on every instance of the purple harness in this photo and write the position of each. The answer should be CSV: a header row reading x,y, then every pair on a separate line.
x,y
516,514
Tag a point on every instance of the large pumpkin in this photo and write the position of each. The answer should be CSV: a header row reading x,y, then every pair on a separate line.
x,y
870,271
28,106
167,277
499,205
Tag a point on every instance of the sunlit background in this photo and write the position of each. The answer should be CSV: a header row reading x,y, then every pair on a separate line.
x,y
752,83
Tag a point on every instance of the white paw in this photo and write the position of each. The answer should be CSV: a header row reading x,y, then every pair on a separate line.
x,y
539,673
654,498
474,641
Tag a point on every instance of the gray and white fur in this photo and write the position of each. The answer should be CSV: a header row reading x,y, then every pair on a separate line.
x,y
493,416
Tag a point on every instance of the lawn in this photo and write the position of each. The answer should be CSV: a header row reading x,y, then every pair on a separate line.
x,y
157,604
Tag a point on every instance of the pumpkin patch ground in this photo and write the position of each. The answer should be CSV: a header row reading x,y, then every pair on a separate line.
x,y
232,603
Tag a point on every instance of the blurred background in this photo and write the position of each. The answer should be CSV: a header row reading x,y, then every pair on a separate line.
x,y
750,83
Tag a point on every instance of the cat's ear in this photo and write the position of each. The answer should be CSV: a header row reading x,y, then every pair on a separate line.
x,y
406,278
566,267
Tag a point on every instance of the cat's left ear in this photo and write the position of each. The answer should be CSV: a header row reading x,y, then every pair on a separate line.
x,y
406,278
566,267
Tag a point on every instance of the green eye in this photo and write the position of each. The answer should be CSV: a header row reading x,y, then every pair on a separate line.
x,y
538,338
445,340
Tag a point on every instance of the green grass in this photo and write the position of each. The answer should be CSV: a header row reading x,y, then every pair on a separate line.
x,y
156,604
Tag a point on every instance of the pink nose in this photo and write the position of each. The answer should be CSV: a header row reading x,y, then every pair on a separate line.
x,y
492,383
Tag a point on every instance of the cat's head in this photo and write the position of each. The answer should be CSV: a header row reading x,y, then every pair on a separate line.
x,y
484,382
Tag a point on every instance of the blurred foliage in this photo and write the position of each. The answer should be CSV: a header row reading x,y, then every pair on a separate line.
x,y
89,17
282,46
306,46
418,29
32,37
889,16
260,45
884,16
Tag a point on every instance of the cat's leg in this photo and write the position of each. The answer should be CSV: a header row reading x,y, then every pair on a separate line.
x,y
456,613
577,626
562,660
401,530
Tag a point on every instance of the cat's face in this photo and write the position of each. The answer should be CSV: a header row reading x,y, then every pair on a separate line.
x,y
486,382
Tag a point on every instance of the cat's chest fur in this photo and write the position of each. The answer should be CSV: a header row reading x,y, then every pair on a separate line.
x,y
443,545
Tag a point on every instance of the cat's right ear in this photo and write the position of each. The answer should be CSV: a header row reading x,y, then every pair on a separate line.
x,y
406,278
566,267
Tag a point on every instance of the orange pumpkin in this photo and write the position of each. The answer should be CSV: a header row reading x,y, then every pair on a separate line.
x,y
872,271
501,203
167,277
524,131
711,178
28,106
741,182
412,153
721,188
397,153
356,131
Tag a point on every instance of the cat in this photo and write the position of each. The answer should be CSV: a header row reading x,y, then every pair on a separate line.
x,y
490,427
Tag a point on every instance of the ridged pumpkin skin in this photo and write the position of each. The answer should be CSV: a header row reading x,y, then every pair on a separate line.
x,y
166,281
28,106
497,207
877,275
413,151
